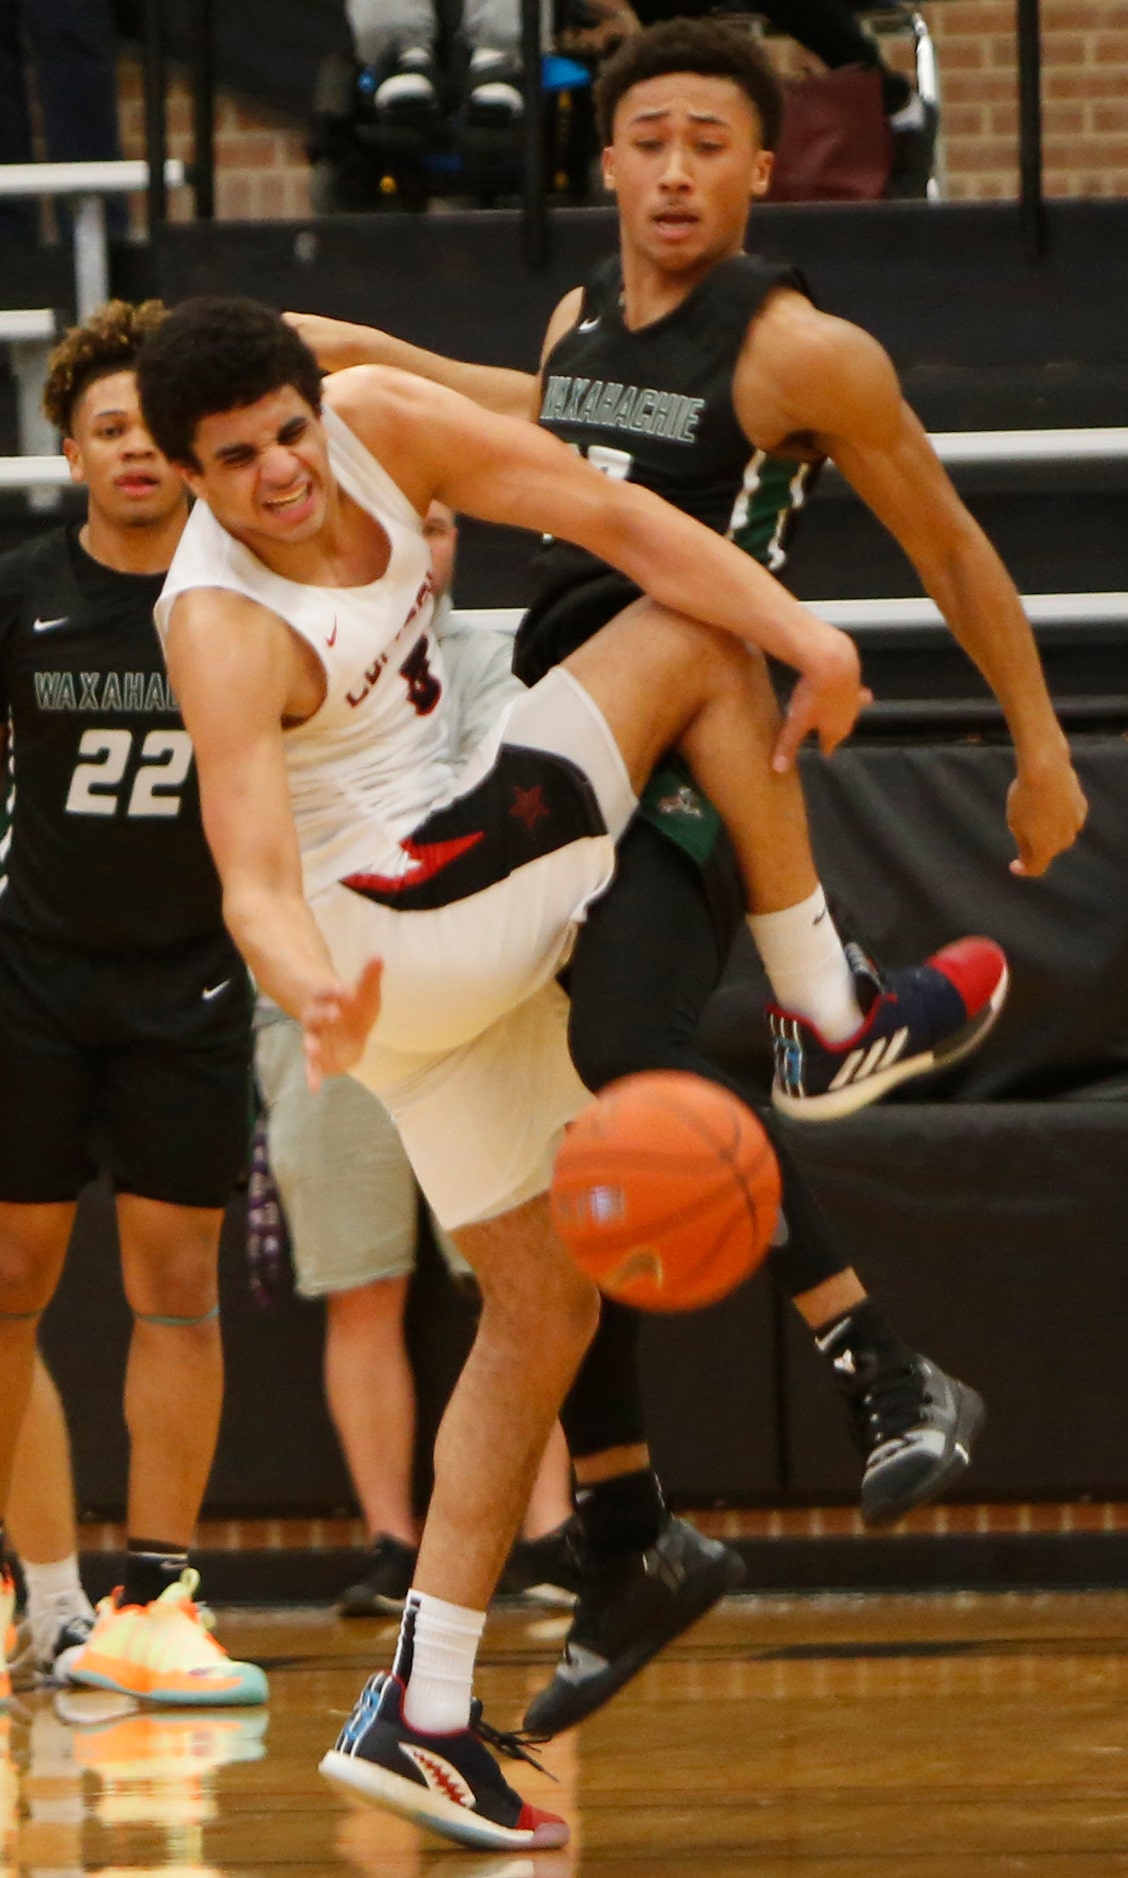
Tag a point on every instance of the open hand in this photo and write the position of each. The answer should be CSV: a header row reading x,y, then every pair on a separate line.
x,y
337,1021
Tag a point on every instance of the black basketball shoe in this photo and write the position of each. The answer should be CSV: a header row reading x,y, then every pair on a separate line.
x,y
450,1782
385,1584
918,1019
915,1426
547,1570
629,1607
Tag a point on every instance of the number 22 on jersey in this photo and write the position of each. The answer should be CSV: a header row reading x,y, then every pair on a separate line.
x,y
99,782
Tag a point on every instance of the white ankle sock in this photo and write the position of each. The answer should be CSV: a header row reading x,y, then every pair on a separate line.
x,y
56,1583
54,1599
806,966
442,1671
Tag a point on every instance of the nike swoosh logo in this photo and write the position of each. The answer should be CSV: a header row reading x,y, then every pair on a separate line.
x,y
45,625
430,857
588,326
332,639
213,991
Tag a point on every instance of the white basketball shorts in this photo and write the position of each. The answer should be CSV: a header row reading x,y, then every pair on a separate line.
x,y
470,1053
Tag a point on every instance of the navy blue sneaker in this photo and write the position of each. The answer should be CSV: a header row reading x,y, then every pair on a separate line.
x,y
918,1019
450,1783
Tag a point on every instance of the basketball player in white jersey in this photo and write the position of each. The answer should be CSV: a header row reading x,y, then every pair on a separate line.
x,y
412,913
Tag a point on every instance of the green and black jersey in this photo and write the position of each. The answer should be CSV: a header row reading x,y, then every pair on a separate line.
x,y
104,847
655,407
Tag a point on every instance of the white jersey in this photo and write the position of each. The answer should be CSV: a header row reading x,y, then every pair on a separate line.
x,y
380,752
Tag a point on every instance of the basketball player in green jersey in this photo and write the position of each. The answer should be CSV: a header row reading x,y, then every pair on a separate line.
x,y
688,366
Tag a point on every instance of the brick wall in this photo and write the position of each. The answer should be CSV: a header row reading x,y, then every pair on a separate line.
x,y
1084,89
261,168
262,171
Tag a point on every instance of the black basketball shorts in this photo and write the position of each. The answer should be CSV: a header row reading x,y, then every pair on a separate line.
x,y
138,1062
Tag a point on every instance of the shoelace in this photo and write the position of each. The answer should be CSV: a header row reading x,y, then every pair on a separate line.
x,y
890,1405
514,1745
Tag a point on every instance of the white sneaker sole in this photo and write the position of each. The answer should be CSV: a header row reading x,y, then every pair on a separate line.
x,y
853,1096
446,1817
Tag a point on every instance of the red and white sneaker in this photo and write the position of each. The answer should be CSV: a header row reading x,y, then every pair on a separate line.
x,y
917,1019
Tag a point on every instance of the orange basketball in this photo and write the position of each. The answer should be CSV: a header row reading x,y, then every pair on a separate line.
x,y
666,1191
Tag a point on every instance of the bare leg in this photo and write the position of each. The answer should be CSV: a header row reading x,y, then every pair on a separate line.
x,y
833,1298
550,1502
371,1394
661,680
174,1378
33,1245
591,1469
40,1518
538,1316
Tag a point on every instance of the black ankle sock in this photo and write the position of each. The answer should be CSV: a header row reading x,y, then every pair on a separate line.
x,y
151,1566
859,1342
624,1514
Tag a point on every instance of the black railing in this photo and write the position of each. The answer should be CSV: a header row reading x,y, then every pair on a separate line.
x,y
202,70
1031,205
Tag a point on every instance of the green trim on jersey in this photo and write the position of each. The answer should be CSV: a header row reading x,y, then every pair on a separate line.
x,y
775,488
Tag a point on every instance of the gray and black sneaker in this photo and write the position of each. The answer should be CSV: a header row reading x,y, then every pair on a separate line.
x,y
494,89
385,1584
629,1608
547,1570
916,1427
49,1644
408,88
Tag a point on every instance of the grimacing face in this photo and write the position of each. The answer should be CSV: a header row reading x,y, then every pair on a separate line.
x,y
264,469
110,450
685,160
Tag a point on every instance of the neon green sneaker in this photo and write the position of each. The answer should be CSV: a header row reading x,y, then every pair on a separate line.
x,y
162,1652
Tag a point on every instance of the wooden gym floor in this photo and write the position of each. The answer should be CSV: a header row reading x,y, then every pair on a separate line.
x,y
849,1737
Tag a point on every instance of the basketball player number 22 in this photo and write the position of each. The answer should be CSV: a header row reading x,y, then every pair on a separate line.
x,y
164,761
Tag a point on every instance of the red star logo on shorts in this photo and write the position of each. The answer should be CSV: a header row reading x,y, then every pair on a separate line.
x,y
529,806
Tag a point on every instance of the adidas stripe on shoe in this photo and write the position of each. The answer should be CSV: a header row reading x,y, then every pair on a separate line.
x,y
918,1019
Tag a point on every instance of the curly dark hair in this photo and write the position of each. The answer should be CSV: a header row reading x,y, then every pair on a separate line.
x,y
109,341
708,48
212,355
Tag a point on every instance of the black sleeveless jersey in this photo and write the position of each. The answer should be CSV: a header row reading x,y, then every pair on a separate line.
x,y
105,849
655,407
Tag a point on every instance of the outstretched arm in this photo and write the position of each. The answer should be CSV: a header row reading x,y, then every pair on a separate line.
x,y
228,660
501,471
337,344
838,385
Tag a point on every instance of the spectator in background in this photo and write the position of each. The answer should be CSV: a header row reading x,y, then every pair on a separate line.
x,y
832,30
351,1202
62,52
398,38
